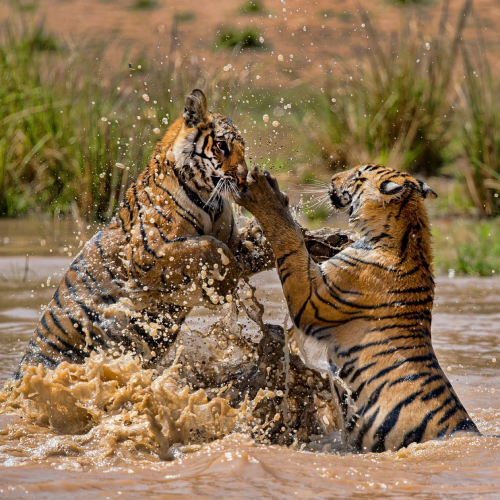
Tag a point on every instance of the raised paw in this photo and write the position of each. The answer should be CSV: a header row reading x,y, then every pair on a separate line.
x,y
261,192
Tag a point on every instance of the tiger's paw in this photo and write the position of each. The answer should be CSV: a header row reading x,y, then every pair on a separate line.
x,y
261,193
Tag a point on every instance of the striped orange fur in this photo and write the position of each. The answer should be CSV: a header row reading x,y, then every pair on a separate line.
x,y
364,316
172,245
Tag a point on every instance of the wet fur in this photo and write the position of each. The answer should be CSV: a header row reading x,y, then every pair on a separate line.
x,y
172,245
364,316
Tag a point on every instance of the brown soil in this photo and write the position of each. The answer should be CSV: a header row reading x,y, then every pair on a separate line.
x,y
317,33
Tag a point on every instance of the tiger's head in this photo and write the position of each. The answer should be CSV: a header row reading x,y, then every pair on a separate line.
x,y
370,190
206,149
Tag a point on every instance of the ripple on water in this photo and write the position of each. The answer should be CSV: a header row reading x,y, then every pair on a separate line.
x,y
121,452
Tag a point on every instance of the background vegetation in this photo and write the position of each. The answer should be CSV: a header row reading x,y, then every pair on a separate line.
x,y
73,135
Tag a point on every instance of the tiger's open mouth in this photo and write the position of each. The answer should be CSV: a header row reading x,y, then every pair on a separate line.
x,y
216,179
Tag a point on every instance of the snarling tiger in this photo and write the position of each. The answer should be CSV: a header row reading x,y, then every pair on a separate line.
x,y
172,245
364,316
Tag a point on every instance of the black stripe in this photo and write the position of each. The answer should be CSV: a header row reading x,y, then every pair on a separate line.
x,y
97,243
145,239
448,414
361,347
372,400
390,421
192,220
406,238
409,378
56,298
414,359
92,315
165,239
341,256
431,379
359,371
42,358
296,319
56,322
157,210
418,289
280,261
435,393
332,286
466,424
358,444
347,368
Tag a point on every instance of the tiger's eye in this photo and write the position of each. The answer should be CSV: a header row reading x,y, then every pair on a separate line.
x,y
223,147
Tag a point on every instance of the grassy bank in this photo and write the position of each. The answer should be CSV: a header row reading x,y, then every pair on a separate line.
x,y
78,123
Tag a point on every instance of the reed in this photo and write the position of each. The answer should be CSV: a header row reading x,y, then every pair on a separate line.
x,y
396,108
479,141
65,126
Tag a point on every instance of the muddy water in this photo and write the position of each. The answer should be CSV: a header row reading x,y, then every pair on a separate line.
x,y
120,457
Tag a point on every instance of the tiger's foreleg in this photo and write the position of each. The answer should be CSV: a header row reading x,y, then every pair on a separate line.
x,y
305,285
189,272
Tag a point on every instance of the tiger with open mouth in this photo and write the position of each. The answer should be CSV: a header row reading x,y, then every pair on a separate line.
x,y
172,245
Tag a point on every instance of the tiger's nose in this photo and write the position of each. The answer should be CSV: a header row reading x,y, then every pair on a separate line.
x,y
241,173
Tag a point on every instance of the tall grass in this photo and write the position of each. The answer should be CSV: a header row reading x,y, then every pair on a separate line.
x,y
64,125
397,107
66,119
480,131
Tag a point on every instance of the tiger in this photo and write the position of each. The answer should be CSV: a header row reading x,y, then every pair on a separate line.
x,y
172,245
363,317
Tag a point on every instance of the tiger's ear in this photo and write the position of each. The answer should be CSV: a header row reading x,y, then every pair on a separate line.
x,y
426,191
195,110
389,187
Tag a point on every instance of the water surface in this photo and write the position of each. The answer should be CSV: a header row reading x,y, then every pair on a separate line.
x,y
37,461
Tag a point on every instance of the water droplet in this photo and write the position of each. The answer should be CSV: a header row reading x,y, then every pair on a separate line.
x,y
156,130
280,57
275,123
265,118
145,97
104,119
119,165
261,39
